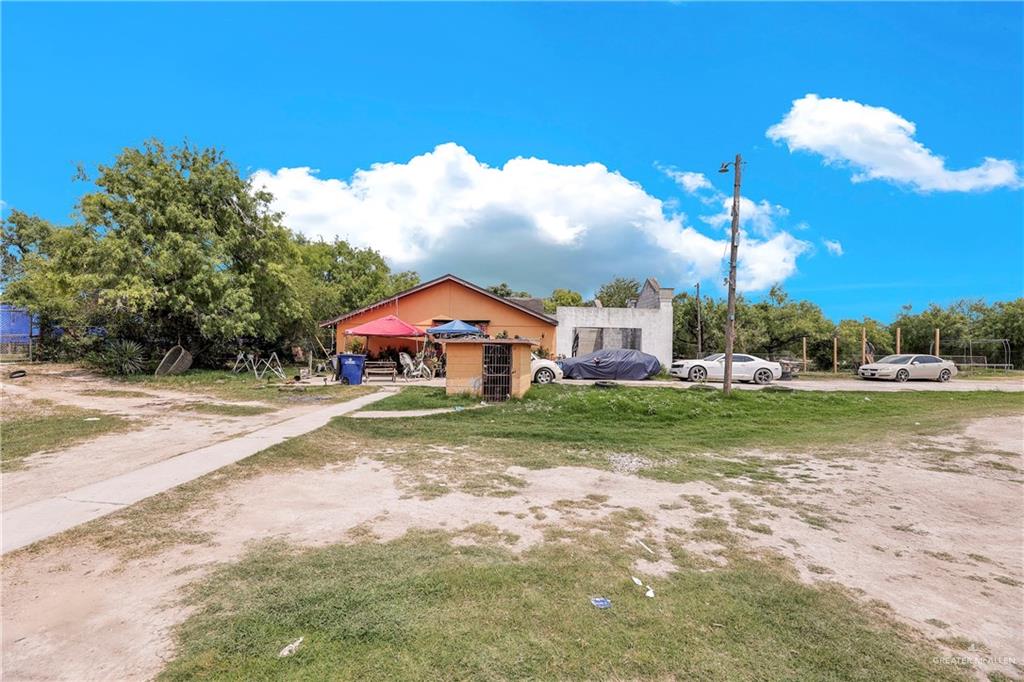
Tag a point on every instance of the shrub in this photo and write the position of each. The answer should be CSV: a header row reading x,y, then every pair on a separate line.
x,y
121,357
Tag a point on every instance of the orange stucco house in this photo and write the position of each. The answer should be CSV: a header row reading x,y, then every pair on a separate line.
x,y
445,299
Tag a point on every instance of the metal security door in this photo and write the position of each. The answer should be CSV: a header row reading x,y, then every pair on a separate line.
x,y
497,372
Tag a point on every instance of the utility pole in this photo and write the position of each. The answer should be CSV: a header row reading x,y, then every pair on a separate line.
x,y
734,242
700,345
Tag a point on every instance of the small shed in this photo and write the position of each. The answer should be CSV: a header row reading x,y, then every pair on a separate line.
x,y
494,369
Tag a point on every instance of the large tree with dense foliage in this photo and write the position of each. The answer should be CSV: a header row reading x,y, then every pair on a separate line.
x,y
173,245
52,271
340,278
193,254
562,297
618,292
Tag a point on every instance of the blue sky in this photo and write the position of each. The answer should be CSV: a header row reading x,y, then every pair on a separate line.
x,y
305,95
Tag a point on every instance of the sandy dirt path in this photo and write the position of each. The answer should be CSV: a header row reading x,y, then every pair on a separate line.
x,y
160,427
934,532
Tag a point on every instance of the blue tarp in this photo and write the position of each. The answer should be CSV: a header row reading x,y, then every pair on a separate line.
x,y
454,328
15,325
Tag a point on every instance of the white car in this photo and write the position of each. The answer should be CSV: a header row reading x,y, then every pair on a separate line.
x,y
712,368
544,371
904,367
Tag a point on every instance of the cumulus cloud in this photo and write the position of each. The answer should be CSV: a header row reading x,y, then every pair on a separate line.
x,y
690,181
833,246
535,224
879,145
762,263
757,216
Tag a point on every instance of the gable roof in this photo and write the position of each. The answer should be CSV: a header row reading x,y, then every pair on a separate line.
x,y
433,282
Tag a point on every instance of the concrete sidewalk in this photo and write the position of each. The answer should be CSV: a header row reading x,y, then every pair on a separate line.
x,y
39,520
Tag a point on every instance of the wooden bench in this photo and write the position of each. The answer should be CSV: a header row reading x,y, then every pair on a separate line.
x,y
380,368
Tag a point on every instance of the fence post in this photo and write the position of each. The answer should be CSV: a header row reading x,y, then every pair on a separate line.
x,y
835,354
805,353
898,340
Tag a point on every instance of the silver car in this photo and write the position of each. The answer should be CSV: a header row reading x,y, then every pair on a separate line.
x,y
906,367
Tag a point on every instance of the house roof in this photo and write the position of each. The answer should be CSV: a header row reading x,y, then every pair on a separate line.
x,y
433,282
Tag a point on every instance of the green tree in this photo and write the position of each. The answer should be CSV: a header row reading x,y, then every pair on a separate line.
x,y
195,253
340,279
562,297
505,291
1003,320
618,292
53,272
173,246
776,325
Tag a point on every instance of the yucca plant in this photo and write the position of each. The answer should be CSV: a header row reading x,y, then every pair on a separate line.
x,y
122,357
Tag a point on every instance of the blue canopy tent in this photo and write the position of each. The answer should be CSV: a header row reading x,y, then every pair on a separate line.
x,y
453,329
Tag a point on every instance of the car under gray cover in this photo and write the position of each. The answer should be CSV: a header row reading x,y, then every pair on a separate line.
x,y
618,363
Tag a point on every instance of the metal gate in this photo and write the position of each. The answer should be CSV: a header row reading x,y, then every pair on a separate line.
x,y
497,372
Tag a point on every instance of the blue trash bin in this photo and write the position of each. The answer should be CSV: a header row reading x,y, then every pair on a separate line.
x,y
350,368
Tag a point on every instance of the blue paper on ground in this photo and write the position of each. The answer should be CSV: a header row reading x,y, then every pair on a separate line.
x,y
601,602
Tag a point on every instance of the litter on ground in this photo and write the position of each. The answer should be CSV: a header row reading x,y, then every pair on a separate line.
x,y
291,648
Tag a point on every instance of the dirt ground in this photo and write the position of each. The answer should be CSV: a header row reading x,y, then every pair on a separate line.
x,y
162,427
934,532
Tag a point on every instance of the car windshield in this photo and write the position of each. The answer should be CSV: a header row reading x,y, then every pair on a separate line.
x,y
715,356
895,360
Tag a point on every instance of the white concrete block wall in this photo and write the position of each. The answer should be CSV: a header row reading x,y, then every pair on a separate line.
x,y
655,323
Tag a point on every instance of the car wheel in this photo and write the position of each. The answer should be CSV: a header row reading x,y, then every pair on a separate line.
x,y
544,376
698,374
945,375
763,376
902,375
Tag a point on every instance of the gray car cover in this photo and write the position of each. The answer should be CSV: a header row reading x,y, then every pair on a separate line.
x,y
611,363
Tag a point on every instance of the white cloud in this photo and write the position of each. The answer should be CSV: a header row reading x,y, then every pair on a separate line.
x,y
690,181
532,223
757,216
879,144
764,263
833,246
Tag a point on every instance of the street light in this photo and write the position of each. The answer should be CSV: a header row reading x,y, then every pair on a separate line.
x,y
734,242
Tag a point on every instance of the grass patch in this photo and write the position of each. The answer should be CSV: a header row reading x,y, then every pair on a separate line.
x,y
637,419
228,409
421,608
114,393
676,430
44,426
423,398
990,373
226,385
1007,580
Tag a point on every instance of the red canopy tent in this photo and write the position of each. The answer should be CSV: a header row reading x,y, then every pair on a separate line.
x,y
387,326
